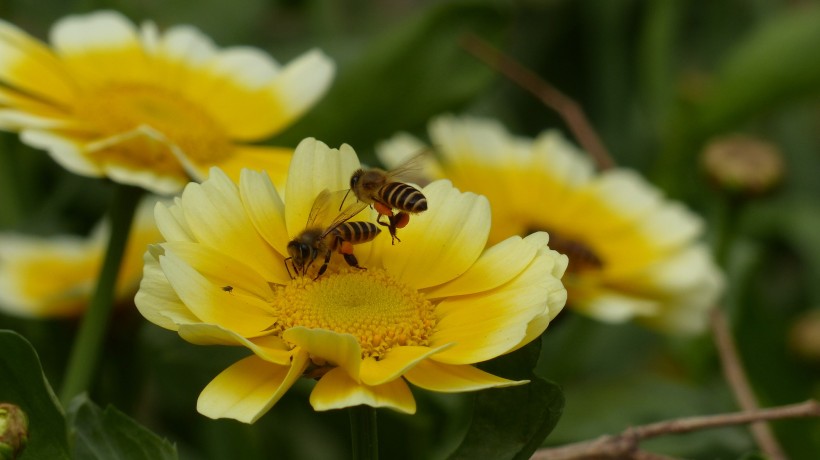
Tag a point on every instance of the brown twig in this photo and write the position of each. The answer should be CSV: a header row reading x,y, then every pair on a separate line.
x,y
570,110
736,378
625,445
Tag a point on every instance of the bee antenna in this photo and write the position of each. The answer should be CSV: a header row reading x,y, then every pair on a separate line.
x,y
344,199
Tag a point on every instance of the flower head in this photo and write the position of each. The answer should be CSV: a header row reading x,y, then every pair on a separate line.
x,y
421,311
633,254
150,109
56,276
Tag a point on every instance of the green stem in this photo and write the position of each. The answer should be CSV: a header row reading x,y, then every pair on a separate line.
x,y
364,432
10,205
728,211
83,360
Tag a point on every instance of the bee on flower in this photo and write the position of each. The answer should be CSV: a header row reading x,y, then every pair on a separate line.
x,y
156,110
422,312
633,253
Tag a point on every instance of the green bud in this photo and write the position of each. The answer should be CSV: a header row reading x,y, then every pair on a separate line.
x,y
13,431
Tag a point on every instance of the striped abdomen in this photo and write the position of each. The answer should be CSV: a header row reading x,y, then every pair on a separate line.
x,y
403,197
355,232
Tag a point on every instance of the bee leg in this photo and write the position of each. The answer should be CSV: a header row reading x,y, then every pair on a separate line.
x,y
399,220
352,261
324,265
346,249
287,267
383,209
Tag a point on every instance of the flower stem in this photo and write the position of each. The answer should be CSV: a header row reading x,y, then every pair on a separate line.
x,y
364,432
86,350
10,204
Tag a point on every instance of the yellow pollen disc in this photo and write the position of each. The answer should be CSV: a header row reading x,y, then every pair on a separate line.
x,y
119,110
369,304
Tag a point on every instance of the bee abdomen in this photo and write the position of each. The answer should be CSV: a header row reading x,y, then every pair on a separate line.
x,y
404,197
357,232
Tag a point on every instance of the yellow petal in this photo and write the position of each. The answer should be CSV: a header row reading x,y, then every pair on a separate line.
x,y
496,266
442,242
449,378
315,167
234,277
70,153
47,277
265,208
270,348
336,390
156,300
27,64
248,389
101,47
343,350
394,363
248,94
171,222
272,160
210,303
489,324
299,85
217,218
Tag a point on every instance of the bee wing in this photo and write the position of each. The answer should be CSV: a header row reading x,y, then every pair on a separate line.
x,y
346,214
411,167
320,207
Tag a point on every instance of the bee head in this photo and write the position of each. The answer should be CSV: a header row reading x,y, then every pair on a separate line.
x,y
354,179
301,253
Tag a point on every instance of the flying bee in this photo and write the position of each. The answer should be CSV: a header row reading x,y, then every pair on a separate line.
x,y
379,188
340,235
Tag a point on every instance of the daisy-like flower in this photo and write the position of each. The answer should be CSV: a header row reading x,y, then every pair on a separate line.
x,y
422,311
56,276
633,254
150,109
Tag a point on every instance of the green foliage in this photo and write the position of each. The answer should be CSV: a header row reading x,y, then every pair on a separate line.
x,y
111,435
22,383
768,68
511,423
406,76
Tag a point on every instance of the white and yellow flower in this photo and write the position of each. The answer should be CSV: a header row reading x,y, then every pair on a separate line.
x,y
151,109
422,311
56,276
633,253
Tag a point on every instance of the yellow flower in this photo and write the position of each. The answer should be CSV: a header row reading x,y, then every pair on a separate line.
x,y
633,253
422,311
150,109
55,277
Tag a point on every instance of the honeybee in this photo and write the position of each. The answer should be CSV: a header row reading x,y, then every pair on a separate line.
x,y
379,188
340,235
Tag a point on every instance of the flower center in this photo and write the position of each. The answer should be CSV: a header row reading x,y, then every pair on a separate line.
x,y
369,304
582,258
121,110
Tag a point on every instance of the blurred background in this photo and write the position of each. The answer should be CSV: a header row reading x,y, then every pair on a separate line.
x,y
658,79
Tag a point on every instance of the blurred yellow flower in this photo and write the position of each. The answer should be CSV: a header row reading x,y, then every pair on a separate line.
x,y
633,254
150,109
56,276
423,311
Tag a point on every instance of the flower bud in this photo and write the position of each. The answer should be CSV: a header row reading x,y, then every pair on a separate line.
x,y
13,431
743,164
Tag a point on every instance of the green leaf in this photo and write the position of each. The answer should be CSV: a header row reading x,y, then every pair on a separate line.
x,y
411,73
22,383
775,64
111,435
511,423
